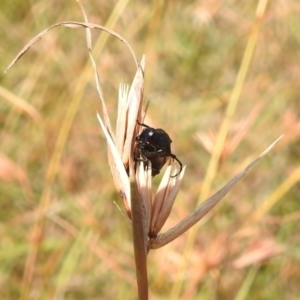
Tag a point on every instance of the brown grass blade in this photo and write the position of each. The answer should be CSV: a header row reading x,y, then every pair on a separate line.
x,y
70,24
96,74
20,104
205,207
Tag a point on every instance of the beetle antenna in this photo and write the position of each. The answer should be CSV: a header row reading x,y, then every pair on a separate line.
x,y
143,124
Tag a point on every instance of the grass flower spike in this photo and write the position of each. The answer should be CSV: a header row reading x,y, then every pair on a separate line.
x,y
123,165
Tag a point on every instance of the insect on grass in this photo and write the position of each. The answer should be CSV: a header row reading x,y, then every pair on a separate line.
x,y
154,145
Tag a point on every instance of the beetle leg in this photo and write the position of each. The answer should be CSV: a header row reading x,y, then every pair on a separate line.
x,y
180,164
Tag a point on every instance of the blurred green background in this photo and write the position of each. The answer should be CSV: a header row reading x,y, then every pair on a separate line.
x,y
81,247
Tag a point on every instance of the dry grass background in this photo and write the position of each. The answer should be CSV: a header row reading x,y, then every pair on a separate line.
x,y
248,248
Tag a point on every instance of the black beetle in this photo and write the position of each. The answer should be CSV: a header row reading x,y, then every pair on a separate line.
x,y
154,145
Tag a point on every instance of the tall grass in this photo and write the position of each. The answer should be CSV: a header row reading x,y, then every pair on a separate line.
x,y
53,154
